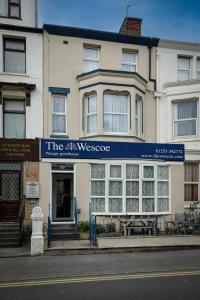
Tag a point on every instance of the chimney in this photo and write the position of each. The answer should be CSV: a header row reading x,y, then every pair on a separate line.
x,y
131,26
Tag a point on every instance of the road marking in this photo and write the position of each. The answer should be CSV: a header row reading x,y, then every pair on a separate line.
x,y
98,278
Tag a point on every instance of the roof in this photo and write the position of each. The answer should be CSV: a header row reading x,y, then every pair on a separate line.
x,y
100,35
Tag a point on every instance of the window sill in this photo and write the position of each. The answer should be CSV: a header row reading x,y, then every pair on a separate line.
x,y
14,74
112,136
59,136
12,18
186,139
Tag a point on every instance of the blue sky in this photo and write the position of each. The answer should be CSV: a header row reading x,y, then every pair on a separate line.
x,y
169,19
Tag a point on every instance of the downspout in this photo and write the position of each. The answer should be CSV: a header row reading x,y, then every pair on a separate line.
x,y
36,13
150,67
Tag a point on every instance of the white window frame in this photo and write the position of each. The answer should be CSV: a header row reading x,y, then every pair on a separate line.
x,y
175,137
124,180
139,119
111,113
87,114
126,63
90,59
59,114
183,69
198,68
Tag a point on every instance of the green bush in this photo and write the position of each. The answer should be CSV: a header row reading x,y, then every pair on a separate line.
x,y
84,226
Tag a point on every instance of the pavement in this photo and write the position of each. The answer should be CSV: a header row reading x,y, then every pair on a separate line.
x,y
110,245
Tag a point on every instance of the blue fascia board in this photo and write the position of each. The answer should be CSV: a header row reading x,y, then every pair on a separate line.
x,y
59,90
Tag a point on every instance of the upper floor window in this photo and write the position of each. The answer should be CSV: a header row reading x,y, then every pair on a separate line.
x,y
184,68
198,68
14,55
129,61
10,8
139,117
59,115
91,59
185,118
90,108
116,113
14,119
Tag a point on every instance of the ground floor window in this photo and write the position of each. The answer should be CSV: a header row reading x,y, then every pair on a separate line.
x,y
191,186
130,188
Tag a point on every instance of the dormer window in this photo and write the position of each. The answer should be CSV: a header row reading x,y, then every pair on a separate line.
x,y
10,8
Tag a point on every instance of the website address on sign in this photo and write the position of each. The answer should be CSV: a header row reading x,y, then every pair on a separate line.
x,y
157,156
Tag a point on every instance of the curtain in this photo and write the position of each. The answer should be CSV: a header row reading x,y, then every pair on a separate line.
x,y
14,125
163,204
148,188
91,110
191,192
4,8
163,188
148,205
115,113
115,171
115,188
92,124
98,188
58,104
98,204
132,171
115,205
185,110
14,62
185,128
97,171
129,61
163,172
183,68
132,205
91,59
191,172
132,188
59,124
148,172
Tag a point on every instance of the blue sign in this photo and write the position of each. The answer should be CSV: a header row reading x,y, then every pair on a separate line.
x,y
51,148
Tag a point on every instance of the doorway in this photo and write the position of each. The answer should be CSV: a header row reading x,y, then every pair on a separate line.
x,y
62,197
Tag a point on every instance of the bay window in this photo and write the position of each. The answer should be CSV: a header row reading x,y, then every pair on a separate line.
x,y
139,117
14,119
116,113
90,115
191,185
59,115
130,188
185,118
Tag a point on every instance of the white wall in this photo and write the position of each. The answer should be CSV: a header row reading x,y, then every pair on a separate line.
x,y
34,75
28,15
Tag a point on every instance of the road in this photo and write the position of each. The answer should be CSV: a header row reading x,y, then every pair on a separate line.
x,y
152,275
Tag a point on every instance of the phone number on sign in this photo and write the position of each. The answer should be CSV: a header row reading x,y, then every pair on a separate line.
x,y
169,151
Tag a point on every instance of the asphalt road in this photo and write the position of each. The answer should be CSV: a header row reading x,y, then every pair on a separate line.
x,y
160,286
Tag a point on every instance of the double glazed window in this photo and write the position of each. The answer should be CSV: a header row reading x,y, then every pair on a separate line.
x,y
130,188
184,68
191,181
14,119
59,114
14,55
90,108
91,59
10,8
198,68
185,118
116,113
129,61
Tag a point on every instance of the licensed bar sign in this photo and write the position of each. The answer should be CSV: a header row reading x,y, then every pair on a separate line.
x,y
51,148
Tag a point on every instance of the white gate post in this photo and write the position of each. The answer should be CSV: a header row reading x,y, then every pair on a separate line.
x,y
37,238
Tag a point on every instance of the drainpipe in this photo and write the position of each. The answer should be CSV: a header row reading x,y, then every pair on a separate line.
x,y
150,67
36,13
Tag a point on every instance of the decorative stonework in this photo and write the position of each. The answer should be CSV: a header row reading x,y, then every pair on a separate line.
x,y
37,238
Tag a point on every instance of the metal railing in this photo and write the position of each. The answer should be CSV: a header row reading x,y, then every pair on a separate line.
x,y
49,229
20,217
92,227
75,210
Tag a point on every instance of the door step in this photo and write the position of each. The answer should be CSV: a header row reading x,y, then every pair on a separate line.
x,y
61,232
9,235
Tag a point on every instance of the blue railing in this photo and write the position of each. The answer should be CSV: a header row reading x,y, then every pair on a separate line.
x,y
75,211
49,229
92,228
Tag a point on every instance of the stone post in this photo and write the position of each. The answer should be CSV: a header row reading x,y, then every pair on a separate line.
x,y
37,238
